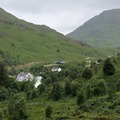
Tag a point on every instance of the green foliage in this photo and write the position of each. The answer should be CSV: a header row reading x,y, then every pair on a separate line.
x,y
9,59
1,115
89,91
108,68
29,95
68,88
87,73
74,89
100,88
74,72
99,95
41,88
48,111
48,80
56,93
27,87
4,94
36,69
80,97
34,94
118,85
3,75
17,109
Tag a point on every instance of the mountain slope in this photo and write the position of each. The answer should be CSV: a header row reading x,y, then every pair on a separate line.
x,y
27,42
101,31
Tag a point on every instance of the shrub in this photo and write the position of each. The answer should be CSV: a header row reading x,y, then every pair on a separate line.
x,y
56,92
74,89
118,85
108,68
68,88
80,97
87,73
100,88
1,115
3,93
48,111
17,109
41,88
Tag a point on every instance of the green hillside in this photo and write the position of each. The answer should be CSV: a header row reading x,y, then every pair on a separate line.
x,y
75,93
22,42
101,31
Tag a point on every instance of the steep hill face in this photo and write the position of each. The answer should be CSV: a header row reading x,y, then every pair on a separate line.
x,y
27,42
101,31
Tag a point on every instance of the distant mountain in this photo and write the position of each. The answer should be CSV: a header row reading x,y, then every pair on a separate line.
x,y
27,42
101,31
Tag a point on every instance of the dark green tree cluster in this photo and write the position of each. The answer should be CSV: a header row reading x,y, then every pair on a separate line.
x,y
87,73
108,68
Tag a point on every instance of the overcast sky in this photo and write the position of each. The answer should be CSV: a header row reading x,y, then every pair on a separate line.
x,y
61,15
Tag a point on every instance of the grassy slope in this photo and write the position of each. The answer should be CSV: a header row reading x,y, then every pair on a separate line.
x,y
38,43
102,30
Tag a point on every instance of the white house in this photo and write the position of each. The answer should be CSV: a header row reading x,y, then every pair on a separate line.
x,y
23,76
56,69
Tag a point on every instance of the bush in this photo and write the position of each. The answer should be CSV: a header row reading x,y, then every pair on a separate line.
x,y
56,92
118,85
87,73
108,68
17,108
41,88
3,75
100,88
74,89
4,94
48,111
1,115
80,97
68,88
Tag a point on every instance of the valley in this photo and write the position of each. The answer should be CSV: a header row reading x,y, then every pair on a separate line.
x,y
79,78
